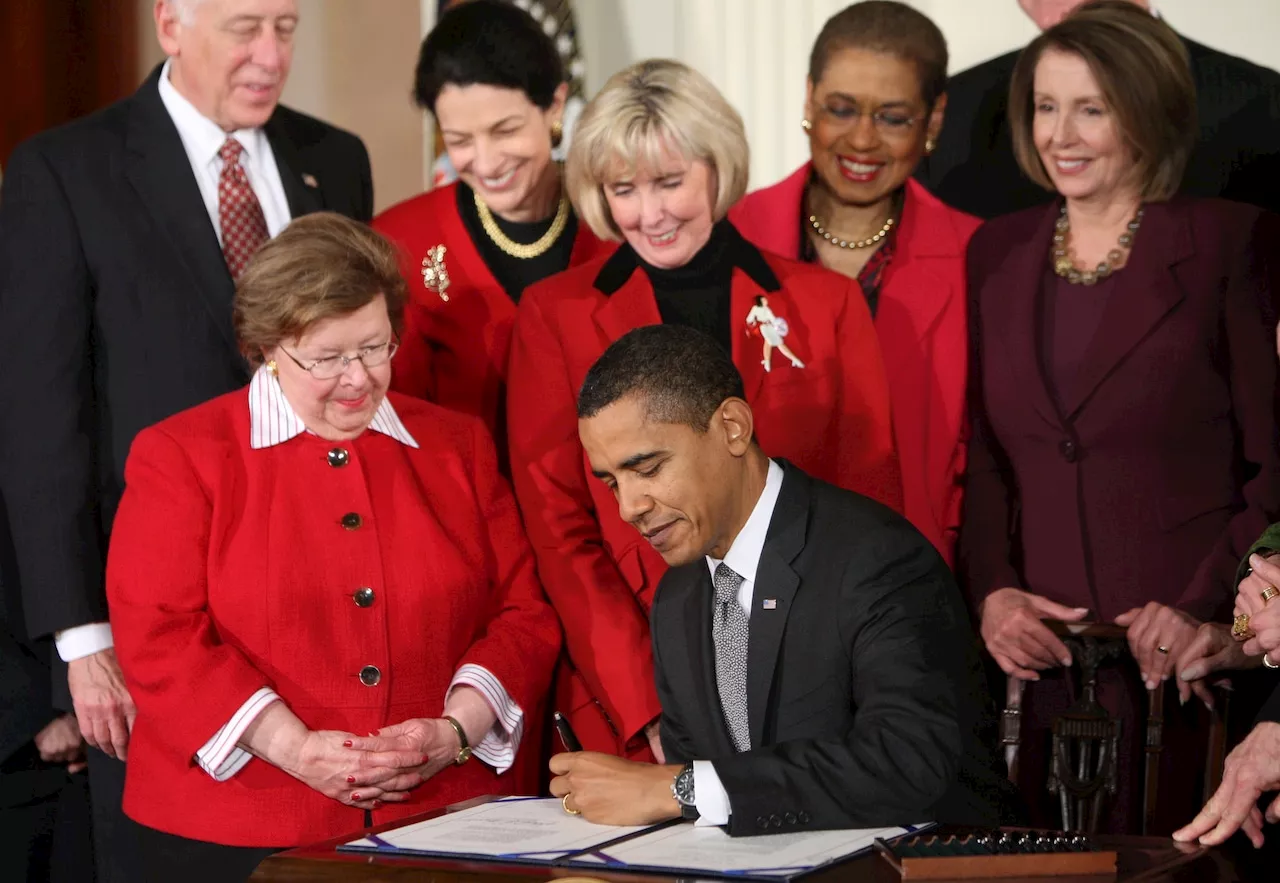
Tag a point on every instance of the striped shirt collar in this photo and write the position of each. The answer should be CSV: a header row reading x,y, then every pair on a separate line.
x,y
272,420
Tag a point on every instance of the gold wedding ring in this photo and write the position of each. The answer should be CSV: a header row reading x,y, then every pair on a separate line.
x,y
564,801
1163,649
1240,628
1269,592
1266,660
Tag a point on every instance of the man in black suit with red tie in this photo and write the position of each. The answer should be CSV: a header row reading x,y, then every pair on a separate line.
x,y
121,235
1237,156
814,660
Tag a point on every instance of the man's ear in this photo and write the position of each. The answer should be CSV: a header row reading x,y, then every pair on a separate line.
x,y
737,424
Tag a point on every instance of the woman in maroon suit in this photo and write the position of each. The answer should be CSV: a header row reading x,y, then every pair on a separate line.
x,y
873,110
494,83
309,560
657,158
1124,450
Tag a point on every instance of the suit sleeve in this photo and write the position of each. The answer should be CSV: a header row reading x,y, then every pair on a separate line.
x,y
181,675
1271,708
365,209
985,546
520,644
606,630
1250,305
48,474
908,639
868,458
677,743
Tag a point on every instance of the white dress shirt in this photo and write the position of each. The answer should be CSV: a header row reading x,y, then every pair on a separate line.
x,y
273,421
201,139
743,558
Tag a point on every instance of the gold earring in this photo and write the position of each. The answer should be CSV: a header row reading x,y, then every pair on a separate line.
x,y
806,125
272,369
929,145
557,133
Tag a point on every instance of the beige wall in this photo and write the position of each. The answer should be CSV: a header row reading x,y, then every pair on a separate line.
x,y
352,66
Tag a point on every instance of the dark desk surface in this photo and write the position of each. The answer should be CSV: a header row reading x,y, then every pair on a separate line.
x,y
1145,859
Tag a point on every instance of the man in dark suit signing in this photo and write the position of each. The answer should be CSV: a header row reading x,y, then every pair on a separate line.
x,y
814,661
1237,155
121,235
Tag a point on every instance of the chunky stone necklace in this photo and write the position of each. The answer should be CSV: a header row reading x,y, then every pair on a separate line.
x,y
1064,258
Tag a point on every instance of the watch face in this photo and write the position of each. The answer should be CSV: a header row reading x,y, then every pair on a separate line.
x,y
684,786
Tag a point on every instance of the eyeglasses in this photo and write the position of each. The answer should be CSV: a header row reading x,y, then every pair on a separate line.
x,y
890,122
335,366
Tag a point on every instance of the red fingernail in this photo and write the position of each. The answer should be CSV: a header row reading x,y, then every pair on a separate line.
x,y
355,796
426,759
376,732
346,744
351,780
377,803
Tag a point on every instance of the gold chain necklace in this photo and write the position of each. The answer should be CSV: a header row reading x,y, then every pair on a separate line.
x,y
519,249
851,243
1064,260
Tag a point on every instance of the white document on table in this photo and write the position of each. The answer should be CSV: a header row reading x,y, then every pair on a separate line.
x,y
510,829
689,849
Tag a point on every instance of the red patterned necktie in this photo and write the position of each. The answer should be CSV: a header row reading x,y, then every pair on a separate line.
x,y
244,226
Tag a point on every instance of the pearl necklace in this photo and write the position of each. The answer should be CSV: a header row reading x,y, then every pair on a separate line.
x,y
519,249
1064,259
850,243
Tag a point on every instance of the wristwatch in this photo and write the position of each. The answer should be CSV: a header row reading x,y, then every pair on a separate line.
x,y
464,749
682,791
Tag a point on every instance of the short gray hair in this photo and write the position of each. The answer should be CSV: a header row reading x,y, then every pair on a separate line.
x,y
185,10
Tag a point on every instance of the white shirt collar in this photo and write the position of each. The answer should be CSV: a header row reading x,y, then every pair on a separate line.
x,y
201,136
272,420
743,557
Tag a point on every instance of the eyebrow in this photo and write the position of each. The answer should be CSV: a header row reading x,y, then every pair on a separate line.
x,y
630,463
843,96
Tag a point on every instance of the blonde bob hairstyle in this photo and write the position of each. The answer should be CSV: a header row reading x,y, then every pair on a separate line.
x,y
641,110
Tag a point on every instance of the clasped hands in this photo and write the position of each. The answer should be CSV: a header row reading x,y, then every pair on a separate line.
x,y
1161,638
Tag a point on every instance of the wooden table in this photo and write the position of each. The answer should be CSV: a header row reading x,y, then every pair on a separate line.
x,y
1145,859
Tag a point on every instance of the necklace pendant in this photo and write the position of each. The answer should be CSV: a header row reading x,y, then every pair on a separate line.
x,y
435,275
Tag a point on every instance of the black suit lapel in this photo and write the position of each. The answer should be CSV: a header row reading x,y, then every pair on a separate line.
x,y
301,188
775,588
158,169
699,599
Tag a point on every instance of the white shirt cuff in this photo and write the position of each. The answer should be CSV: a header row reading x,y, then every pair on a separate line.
x,y
220,757
709,796
499,745
80,641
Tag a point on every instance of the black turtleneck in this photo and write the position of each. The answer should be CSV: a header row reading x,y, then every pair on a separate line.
x,y
516,274
697,294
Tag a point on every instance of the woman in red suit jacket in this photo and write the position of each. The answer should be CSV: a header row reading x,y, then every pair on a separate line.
x,y
1124,452
306,561
657,158
874,107
494,83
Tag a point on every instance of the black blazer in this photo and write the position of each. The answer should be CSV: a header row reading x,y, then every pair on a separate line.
x,y
1237,158
115,312
864,688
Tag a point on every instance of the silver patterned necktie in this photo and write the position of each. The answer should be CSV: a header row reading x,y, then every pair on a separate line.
x,y
730,630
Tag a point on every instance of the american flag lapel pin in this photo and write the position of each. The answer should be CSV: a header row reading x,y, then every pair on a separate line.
x,y
770,604
310,180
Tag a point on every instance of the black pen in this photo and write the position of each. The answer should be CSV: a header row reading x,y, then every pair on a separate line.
x,y
567,736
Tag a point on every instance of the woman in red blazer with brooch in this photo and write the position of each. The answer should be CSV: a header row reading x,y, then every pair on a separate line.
x,y
1126,435
495,85
873,110
304,562
656,160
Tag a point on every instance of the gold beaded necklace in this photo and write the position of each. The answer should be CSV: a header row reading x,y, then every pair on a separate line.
x,y
519,249
850,243
1064,258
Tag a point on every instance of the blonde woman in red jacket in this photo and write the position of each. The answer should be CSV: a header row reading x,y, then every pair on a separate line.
x,y
873,109
310,560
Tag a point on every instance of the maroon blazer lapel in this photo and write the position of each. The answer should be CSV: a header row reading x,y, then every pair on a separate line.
x,y
1147,290
1011,302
